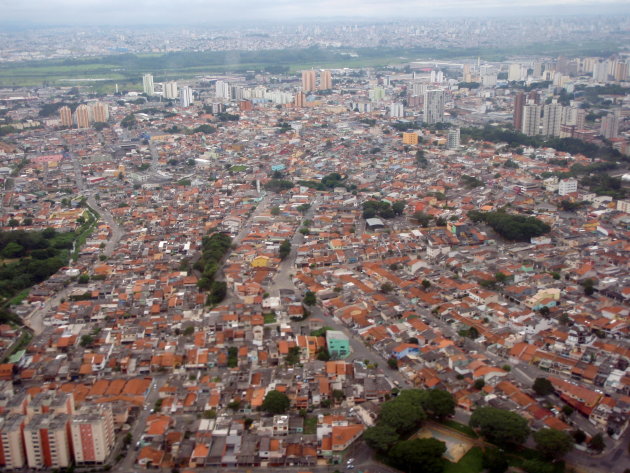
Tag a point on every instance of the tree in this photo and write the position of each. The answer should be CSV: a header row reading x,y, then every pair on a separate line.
x,y
494,460
309,298
275,210
86,341
398,207
381,437
386,288
419,455
535,465
401,414
422,218
438,403
84,278
276,402
499,426
542,386
285,249
426,284
293,356
553,444
597,443
14,222
479,383
578,436
544,311
218,291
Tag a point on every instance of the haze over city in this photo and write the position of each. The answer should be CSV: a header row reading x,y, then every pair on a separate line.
x,y
190,12
315,237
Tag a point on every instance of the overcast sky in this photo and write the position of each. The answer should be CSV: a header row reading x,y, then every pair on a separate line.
x,y
137,12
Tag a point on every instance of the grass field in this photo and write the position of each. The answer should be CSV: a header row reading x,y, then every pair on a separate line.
x,y
469,463
127,69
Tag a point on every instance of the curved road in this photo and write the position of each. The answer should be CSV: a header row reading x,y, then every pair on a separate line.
x,y
35,320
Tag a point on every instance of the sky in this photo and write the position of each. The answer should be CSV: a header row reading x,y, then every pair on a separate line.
x,y
152,12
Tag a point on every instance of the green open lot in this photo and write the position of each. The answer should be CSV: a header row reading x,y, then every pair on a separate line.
x,y
127,69
469,463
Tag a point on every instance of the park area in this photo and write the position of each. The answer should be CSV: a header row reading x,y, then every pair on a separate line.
x,y
457,445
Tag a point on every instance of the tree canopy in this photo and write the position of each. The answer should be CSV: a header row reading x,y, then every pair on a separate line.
x,y
510,226
438,403
419,455
500,426
276,402
542,386
553,444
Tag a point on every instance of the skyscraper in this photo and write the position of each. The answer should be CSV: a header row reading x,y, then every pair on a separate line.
x,y
453,138
299,100
519,103
222,90
325,80
433,106
147,84
396,110
610,126
186,96
308,81
514,72
66,116
82,114
100,112
531,120
170,90
552,115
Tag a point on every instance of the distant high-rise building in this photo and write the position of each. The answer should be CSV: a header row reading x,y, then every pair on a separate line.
x,y
308,81
66,116
433,106
245,105
537,70
517,118
552,118
514,72
299,100
46,441
567,186
377,94
410,138
622,71
92,433
82,114
100,112
147,84
610,126
12,455
170,90
396,110
186,96
531,120
222,90
325,80
453,138
236,92
600,72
